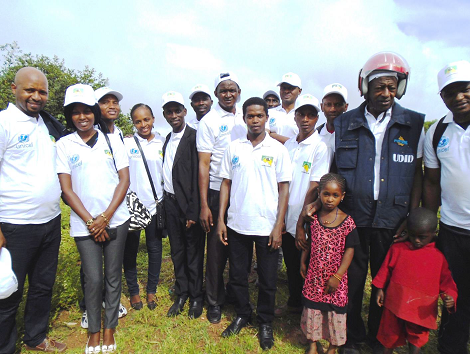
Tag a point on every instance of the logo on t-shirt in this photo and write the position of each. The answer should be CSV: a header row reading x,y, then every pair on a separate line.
x,y
272,121
23,142
52,138
235,162
443,145
134,151
267,160
75,161
223,128
107,152
23,138
306,165
160,152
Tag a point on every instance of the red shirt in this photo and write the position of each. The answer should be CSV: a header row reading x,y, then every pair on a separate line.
x,y
413,279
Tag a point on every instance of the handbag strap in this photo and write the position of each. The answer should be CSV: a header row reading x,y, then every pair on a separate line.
x,y
112,153
146,168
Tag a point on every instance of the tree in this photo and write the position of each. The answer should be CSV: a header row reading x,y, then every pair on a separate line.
x,y
428,123
58,76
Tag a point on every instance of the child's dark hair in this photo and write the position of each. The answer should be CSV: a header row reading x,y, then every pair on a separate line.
x,y
137,106
255,101
421,219
332,177
68,115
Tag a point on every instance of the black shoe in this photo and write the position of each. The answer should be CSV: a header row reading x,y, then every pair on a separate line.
x,y
266,338
195,309
177,307
214,314
137,306
235,327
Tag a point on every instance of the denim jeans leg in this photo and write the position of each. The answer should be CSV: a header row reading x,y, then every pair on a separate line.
x,y
153,240
130,262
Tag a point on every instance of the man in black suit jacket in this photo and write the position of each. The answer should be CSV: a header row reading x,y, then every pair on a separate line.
x,y
180,176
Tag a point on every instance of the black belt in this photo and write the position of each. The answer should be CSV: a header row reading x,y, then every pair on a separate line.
x,y
169,195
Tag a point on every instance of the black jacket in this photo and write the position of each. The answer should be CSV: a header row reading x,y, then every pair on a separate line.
x,y
56,129
185,174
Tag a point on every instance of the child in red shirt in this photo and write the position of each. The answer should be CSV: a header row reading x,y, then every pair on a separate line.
x,y
413,274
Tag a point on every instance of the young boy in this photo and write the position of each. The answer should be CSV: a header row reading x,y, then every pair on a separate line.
x,y
256,172
413,275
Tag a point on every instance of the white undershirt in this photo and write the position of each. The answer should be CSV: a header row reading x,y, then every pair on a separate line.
x,y
170,153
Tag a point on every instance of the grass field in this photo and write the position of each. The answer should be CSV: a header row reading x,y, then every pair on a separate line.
x,y
148,331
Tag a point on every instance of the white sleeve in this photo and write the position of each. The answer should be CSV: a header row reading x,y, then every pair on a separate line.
x,y
419,153
283,165
430,158
62,162
321,162
3,141
225,169
205,139
120,155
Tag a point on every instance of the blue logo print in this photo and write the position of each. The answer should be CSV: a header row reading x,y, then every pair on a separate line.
x,y
235,160
74,158
23,138
134,151
443,142
223,128
271,121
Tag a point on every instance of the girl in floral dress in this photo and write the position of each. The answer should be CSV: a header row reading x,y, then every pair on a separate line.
x,y
325,292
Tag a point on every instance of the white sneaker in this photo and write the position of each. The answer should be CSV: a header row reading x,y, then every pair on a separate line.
x,y
84,322
122,310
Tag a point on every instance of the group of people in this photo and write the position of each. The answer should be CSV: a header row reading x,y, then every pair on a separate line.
x,y
337,198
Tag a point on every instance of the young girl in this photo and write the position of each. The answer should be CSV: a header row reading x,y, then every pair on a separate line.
x,y
333,237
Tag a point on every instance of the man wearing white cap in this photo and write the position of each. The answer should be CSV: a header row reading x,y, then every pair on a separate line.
x,y
108,100
201,102
282,125
334,103
213,136
272,98
29,209
180,171
310,159
446,168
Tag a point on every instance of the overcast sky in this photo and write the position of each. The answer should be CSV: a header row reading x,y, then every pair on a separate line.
x,y
146,48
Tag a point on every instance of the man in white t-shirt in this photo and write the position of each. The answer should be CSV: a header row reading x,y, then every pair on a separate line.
x,y
334,103
108,100
282,125
213,136
310,159
446,169
201,101
256,172
29,210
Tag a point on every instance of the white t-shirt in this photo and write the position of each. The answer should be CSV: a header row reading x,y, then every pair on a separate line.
x,y
171,147
192,121
94,177
378,127
29,187
140,183
327,137
282,123
454,155
310,159
255,173
214,135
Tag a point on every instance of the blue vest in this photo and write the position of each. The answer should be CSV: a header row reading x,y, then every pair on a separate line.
x,y
355,158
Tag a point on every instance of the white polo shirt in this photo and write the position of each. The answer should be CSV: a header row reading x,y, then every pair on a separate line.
x,y
327,137
255,173
94,177
29,187
378,127
283,123
453,151
192,121
140,183
172,146
310,159
214,136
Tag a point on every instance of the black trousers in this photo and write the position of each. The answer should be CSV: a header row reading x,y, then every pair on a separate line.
x,y
187,251
373,247
217,255
241,251
295,281
34,250
454,242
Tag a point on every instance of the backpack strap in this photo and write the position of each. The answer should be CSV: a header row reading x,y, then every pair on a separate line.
x,y
440,129
320,128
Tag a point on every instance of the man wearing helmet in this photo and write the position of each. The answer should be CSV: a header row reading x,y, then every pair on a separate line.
x,y
378,149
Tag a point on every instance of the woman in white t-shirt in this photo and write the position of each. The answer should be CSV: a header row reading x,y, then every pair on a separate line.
x,y
94,177
151,144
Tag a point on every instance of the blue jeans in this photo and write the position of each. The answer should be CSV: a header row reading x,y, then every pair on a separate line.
x,y
34,251
91,254
153,239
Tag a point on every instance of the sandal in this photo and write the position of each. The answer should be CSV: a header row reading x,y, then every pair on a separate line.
x,y
109,348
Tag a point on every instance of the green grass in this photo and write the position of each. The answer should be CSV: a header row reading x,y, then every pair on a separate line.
x,y
148,331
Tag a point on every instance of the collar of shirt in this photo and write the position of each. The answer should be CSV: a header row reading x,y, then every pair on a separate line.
x,y
20,115
267,141
178,136
155,139
222,112
76,138
382,116
310,140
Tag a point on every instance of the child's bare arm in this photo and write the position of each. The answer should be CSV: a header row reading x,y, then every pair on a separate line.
x,y
380,297
335,279
303,263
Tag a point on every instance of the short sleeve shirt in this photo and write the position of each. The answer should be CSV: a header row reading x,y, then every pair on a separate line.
x,y
282,123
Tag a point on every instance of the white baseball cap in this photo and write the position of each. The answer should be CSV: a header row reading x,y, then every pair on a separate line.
x,y
271,92
172,96
291,79
457,71
224,77
103,91
199,88
80,93
336,88
307,99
